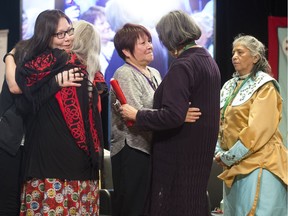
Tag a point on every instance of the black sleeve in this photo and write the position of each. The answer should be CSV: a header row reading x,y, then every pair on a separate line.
x,y
6,97
175,97
32,101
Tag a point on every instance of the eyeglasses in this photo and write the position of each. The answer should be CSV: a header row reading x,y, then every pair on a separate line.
x,y
61,35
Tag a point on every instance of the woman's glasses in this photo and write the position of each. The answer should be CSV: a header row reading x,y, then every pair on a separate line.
x,y
61,35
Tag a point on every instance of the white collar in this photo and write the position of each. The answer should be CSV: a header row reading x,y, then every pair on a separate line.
x,y
247,90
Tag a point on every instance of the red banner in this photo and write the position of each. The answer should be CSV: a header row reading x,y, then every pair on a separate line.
x,y
273,43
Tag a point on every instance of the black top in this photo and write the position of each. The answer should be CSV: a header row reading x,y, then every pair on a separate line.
x,y
50,150
6,97
12,124
64,135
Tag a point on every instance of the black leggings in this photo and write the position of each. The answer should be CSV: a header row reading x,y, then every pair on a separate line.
x,y
10,182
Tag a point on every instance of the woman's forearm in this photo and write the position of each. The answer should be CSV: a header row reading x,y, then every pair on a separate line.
x,y
10,71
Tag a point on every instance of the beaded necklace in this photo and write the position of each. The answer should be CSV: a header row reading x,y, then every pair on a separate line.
x,y
188,46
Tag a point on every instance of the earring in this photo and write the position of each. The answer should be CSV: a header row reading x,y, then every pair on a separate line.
x,y
176,52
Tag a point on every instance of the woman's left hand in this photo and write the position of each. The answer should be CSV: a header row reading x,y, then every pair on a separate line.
x,y
69,78
193,114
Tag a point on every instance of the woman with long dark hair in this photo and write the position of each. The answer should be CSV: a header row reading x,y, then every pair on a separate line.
x,y
63,134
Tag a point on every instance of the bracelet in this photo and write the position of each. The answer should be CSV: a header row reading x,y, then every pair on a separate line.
x,y
7,54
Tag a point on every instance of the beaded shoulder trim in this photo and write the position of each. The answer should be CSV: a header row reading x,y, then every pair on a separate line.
x,y
247,90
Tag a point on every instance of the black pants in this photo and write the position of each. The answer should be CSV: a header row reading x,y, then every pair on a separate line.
x,y
10,182
130,173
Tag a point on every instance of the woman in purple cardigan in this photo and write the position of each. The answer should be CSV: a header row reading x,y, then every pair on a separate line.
x,y
182,153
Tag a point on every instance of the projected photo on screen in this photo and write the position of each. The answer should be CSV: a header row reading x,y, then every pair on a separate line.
x,y
110,15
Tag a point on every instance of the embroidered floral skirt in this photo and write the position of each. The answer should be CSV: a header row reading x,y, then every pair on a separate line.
x,y
55,197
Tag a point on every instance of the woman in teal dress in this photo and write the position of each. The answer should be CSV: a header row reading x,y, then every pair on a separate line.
x,y
250,146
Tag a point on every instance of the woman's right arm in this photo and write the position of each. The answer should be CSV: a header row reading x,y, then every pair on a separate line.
x,y
10,70
64,78
129,113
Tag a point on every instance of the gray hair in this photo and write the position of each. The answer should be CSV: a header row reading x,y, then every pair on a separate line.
x,y
176,29
87,46
256,49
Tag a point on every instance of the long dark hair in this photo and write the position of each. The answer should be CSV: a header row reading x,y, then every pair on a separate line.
x,y
45,27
